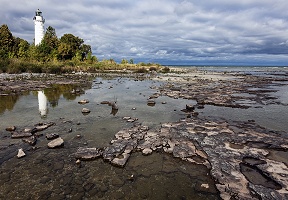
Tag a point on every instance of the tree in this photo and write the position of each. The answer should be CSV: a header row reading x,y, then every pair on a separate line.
x,y
23,48
50,40
124,61
65,51
6,41
72,42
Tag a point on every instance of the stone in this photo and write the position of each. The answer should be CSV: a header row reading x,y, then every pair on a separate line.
x,y
83,101
51,136
15,134
88,153
30,140
11,128
58,142
121,160
21,153
85,110
151,102
147,151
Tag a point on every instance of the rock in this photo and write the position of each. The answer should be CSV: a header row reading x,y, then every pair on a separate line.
x,y
151,102
51,136
20,134
190,107
30,140
21,153
41,127
147,151
58,142
113,105
11,128
88,153
105,102
85,110
121,160
84,101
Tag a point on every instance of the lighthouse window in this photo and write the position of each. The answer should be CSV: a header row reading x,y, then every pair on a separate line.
x,y
38,13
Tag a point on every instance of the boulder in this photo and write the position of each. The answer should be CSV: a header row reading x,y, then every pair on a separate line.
x,y
58,142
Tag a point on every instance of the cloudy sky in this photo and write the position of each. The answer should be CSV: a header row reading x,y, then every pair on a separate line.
x,y
206,32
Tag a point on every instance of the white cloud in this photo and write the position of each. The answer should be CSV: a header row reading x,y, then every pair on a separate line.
x,y
163,30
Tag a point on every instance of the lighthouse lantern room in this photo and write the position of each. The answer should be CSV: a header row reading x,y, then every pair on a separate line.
x,y
39,26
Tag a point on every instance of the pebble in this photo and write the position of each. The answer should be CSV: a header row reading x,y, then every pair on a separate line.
x,y
21,153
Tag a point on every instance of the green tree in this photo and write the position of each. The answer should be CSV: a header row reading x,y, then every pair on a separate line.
x,y
85,50
50,40
6,41
65,51
70,44
23,49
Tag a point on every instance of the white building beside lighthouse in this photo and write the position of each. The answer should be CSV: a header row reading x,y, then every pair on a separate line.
x,y
39,26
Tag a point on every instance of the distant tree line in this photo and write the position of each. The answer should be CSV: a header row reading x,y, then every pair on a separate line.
x,y
68,47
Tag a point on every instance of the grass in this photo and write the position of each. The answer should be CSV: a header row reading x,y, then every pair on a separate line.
x,y
14,66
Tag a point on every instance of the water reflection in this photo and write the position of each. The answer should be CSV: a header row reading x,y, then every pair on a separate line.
x,y
43,104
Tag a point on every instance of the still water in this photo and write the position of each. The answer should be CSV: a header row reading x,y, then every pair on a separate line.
x,y
53,174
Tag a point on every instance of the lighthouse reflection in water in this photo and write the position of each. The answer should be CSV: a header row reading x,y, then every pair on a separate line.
x,y
43,104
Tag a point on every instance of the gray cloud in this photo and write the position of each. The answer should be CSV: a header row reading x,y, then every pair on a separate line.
x,y
169,31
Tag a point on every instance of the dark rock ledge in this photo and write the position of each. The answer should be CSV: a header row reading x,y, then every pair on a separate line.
x,y
234,152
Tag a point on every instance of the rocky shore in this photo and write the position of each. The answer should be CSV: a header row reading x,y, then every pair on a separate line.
x,y
240,156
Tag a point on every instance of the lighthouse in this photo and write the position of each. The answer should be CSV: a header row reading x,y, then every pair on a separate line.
x,y
39,26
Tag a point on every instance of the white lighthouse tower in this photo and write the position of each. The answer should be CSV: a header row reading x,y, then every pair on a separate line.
x,y
39,26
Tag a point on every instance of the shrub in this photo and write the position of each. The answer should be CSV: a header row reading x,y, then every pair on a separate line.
x,y
141,70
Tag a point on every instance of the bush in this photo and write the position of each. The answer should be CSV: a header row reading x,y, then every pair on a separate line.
x,y
166,70
141,70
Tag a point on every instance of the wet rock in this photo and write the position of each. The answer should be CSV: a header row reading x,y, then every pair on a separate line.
x,y
20,134
147,151
41,127
88,153
30,140
121,160
51,136
83,101
114,150
126,118
85,111
58,142
11,128
21,153
151,102
190,107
